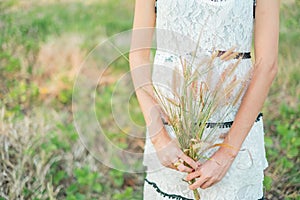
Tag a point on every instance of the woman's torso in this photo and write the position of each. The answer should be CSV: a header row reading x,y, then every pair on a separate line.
x,y
221,23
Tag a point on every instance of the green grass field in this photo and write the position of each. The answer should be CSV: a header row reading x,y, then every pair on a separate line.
x,y
42,45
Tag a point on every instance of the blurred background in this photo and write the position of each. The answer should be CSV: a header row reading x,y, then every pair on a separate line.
x,y
42,45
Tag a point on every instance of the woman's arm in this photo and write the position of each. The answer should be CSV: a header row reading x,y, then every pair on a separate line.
x,y
143,27
139,57
266,50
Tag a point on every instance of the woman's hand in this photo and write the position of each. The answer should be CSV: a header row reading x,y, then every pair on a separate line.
x,y
213,170
170,155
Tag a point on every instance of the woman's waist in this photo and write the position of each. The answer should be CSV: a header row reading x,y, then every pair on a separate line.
x,y
218,127
201,53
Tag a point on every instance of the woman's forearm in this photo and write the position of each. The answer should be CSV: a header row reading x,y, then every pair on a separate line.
x,y
141,73
252,103
140,66
266,49
141,76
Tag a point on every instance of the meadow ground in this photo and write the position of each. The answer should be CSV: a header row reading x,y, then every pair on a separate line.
x,y
41,156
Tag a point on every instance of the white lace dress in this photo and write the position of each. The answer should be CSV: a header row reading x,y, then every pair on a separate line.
x,y
222,24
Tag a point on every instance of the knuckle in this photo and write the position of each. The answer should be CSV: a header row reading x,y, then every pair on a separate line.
x,y
210,176
180,169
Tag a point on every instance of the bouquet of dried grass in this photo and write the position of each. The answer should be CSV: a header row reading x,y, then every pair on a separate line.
x,y
196,96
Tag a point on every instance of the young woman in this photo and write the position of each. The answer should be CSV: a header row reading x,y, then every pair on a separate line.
x,y
224,23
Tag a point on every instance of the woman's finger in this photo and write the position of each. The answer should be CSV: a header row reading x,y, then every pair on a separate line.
x,y
189,161
175,163
184,168
207,184
172,166
193,175
198,183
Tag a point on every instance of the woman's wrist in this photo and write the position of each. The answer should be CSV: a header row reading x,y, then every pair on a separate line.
x,y
158,133
160,140
232,144
229,151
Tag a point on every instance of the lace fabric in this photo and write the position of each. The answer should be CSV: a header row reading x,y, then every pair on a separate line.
x,y
220,25
243,181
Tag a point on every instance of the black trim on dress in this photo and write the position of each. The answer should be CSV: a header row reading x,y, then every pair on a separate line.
x,y
228,124
254,6
171,196
219,124
242,55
